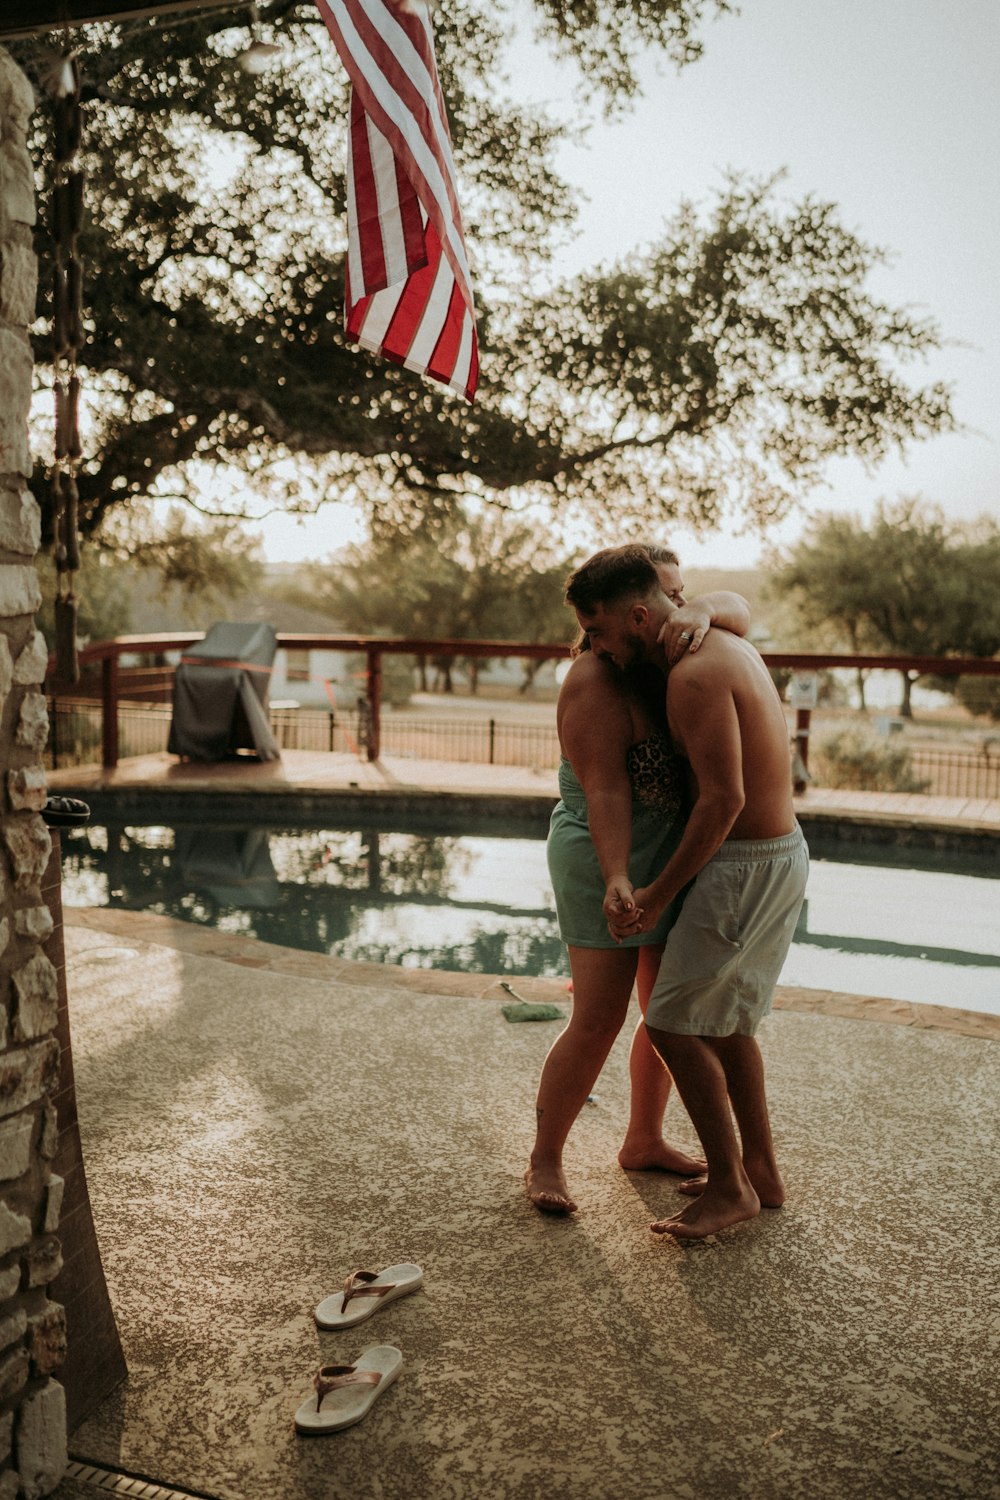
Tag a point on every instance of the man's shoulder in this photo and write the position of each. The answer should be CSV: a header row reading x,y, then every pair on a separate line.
x,y
719,655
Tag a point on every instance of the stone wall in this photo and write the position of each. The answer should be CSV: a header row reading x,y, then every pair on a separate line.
x,y
32,1328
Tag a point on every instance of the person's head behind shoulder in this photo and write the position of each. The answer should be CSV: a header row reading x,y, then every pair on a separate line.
x,y
620,596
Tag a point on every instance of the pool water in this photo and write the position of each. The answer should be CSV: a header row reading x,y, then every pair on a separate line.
x,y
484,904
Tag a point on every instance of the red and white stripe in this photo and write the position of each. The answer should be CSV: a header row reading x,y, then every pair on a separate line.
x,y
409,290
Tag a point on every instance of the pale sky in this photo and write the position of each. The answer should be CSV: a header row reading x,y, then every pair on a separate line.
x,y
888,108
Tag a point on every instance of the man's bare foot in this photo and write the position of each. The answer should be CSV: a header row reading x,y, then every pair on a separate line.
x,y
548,1191
766,1184
708,1214
657,1156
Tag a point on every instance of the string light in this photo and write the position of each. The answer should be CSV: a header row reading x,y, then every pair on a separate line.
x,y
259,56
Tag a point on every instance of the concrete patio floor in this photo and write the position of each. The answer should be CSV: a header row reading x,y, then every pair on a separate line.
x,y
258,1122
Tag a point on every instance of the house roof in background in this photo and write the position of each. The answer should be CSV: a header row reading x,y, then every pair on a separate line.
x,y
25,17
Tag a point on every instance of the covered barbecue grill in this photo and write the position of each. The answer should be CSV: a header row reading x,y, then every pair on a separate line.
x,y
220,695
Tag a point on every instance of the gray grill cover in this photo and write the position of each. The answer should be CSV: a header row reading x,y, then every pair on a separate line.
x,y
220,695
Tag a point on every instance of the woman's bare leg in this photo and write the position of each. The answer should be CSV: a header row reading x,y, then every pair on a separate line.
x,y
644,1148
602,987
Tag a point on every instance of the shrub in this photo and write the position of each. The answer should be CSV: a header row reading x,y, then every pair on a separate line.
x,y
981,696
854,760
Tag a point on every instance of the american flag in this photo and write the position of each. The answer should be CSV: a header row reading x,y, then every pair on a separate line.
x,y
409,291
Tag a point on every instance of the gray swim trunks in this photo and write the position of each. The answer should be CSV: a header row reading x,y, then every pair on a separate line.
x,y
726,949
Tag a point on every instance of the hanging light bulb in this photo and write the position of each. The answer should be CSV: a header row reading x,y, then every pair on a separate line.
x,y
259,56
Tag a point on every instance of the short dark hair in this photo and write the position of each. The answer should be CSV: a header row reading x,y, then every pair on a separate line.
x,y
617,573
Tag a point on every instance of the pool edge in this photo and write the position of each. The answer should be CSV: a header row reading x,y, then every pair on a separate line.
x,y
246,952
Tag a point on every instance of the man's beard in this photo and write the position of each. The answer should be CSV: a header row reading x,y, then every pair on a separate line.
x,y
636,658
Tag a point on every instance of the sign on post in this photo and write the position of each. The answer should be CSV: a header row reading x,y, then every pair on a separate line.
x,y
803,690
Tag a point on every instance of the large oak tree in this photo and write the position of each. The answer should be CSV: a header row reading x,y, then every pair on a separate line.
x,y
709,376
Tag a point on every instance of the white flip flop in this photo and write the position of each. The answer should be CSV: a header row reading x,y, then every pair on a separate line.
x,y
367,1291
345,1393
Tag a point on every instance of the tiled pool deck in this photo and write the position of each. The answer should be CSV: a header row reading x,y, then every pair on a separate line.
x,y
306,772
258,1122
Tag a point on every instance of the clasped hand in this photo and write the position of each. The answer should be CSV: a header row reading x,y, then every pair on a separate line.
x,y
625,911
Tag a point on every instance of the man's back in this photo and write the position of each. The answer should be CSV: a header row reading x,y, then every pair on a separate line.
x,y
723,695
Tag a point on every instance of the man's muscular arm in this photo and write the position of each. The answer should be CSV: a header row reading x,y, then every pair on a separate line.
x,y
701,702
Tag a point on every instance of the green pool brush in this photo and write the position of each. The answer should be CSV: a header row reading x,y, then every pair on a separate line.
x,y
529,1010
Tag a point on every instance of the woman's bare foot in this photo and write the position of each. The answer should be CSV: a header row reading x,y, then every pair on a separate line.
x,y
713,1211
766,1184
547,1190
657,1156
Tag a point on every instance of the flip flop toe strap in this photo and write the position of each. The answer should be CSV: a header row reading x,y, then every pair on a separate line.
x,y
359,1285
334,1377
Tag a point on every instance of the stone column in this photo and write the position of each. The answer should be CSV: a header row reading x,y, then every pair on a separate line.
x,y
32,1328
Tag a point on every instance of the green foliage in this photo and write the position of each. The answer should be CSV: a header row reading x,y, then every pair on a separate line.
x,y
482,577
605,38
104,605
910,583
215,561
852,759
981,696
713,375
720,372
206,569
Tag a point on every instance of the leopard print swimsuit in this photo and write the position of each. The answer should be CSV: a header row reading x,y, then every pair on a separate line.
x,y
656,773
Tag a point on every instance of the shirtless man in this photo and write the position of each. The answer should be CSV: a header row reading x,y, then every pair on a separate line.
x,y
747,859
623,799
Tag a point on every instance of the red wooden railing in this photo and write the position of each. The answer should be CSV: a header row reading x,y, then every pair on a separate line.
x,y
108,654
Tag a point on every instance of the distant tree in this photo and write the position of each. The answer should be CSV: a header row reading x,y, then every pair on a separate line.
x,y
212,561
472,577
911,583
713,374
206,568
981,696
824,584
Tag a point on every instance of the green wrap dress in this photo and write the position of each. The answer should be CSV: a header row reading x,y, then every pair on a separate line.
x,y
659,808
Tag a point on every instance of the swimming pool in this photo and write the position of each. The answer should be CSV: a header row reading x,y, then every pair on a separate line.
x,y
483,903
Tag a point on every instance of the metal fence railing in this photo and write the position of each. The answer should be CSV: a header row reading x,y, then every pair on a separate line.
x,y
476,741
958,773
75,739
75,731
75,735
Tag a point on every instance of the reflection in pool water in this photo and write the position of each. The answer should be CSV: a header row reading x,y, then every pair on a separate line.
x,y
483,904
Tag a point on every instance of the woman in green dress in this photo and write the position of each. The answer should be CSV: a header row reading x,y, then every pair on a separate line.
x,y
623,802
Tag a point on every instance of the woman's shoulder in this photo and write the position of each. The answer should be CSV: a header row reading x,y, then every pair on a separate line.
x,y
592,698
591,677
